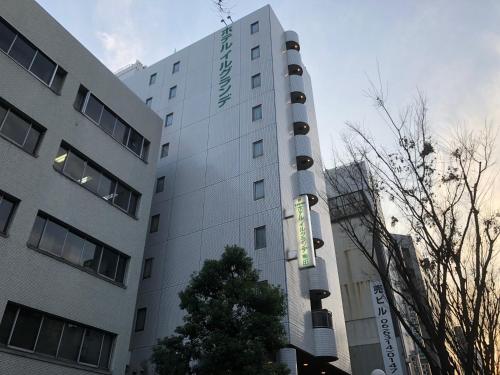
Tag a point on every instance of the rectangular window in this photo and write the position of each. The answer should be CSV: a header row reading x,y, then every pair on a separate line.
x,y
254,27
8,205
258,190
258,148
94,178
260,237
257,112
30,57
19,129
59,239
155,223
113,125
255,53
38,332
172,92
152,79
176,67
164,150
140,319
148,268
160,184
256,81
169,119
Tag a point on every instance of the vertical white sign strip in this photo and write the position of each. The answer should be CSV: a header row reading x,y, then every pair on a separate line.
x,y
385,328
305,254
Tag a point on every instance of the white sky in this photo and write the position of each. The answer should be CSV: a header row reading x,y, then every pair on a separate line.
x,y
449,50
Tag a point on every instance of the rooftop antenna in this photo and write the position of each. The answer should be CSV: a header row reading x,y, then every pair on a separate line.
x,y
230,19
223,11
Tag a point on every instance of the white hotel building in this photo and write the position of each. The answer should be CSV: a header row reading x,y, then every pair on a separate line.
x,y
239,144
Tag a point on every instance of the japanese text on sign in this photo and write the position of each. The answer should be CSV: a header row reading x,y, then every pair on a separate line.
x,y
225,66
305,254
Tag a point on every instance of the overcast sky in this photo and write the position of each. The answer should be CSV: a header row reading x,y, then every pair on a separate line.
x,y
449,50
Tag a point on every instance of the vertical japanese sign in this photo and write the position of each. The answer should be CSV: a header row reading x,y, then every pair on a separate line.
x,y
304,234
225,66
385,328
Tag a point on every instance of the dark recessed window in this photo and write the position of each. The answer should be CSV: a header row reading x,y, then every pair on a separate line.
x,y
38,332
140,319
256,81
148,268
258,190
260,237
258,148
155,223
160,184
295,69
257,112
176,67
164,150
152,79
169,119
254,27
8,206
173,92
255,53
292,45
149,101
77,248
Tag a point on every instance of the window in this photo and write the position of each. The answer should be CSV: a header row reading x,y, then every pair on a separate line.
x,y
164,150
152,79
255,53
37,332
254,27
260,237
258,148
160,184
8,205
108,121
94,178
18,128
169,119
140,319
258,190
172,92
155,223
148,268
176,67
256,81
59,239
257,112
31,58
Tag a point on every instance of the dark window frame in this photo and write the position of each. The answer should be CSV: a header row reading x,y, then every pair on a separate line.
x,y
149,101
260,246
15,202
254,144
176,67
253,79
254,27
152,79
167,117
256,185
147,270
165,146
154,224
160,184
173,90
257,52
254,109
140,319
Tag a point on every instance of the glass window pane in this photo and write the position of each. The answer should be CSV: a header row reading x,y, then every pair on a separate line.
x,y
6,36
6,209
164,150
134,200
258,148
74,167
145,150
94,108
121,132
254,27
107,121
135,142
258,190
53,238
255,53
3,112
173,92
108,264
70,342
155,222
148,268
32,140
106,188
152,78
36,232
260,237
50,333
22,52
160,184
122,266
7,321
106,351
175,67
257,113
91,347
58,80
122,197
91,178
26,329
15,128
91,255
73,247
43,67
60,158
255,81
140,319
169,120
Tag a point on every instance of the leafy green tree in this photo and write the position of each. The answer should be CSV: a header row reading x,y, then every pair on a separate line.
x,y
232,326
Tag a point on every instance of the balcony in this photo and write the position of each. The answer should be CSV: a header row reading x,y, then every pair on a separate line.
x,y
325,344
322,319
